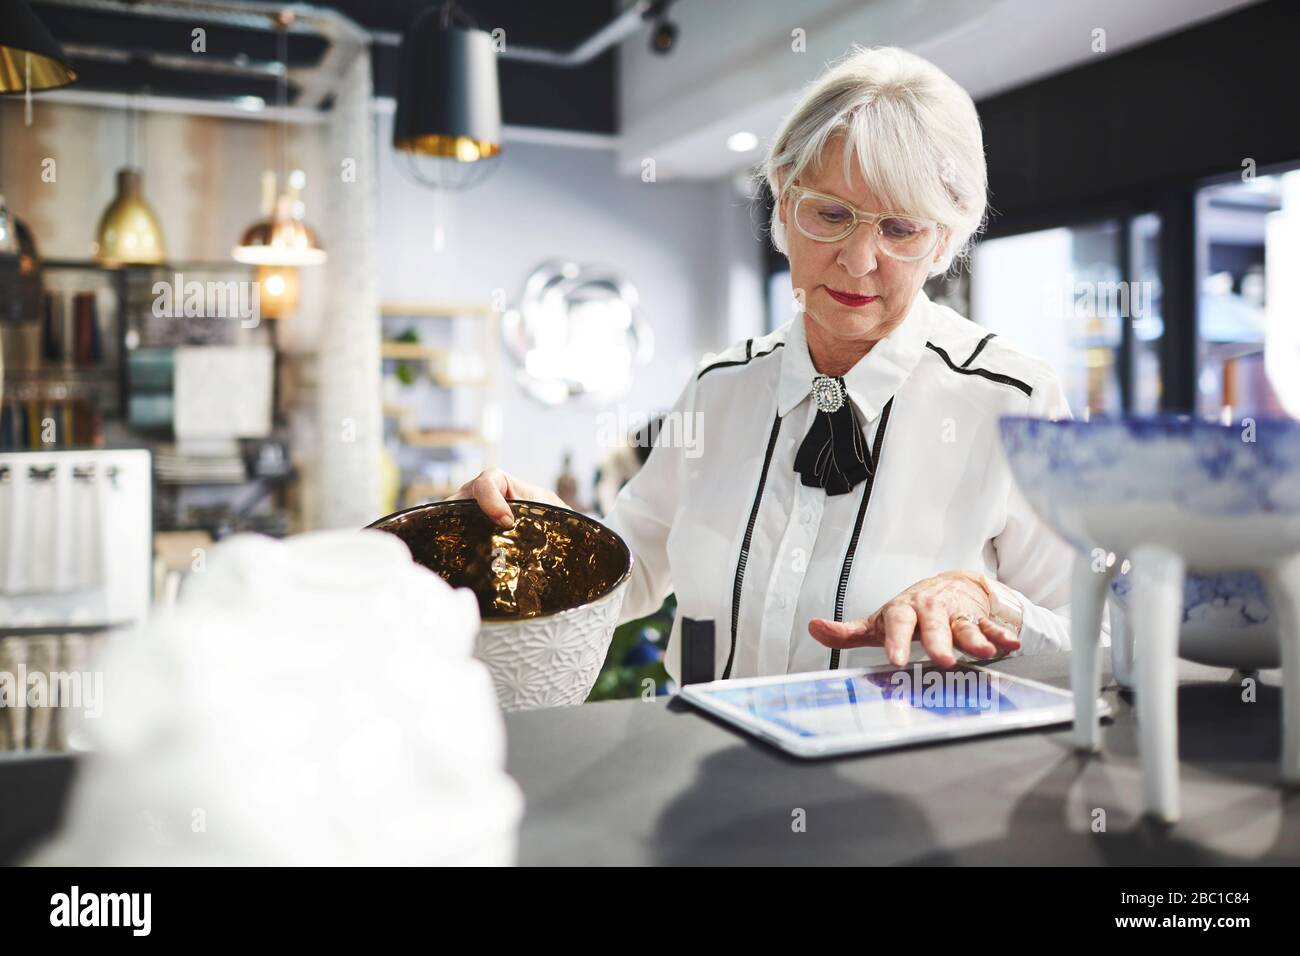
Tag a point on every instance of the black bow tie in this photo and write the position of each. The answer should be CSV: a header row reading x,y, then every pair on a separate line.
x,y
834,452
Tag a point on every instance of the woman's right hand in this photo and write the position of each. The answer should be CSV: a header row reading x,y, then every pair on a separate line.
x,y
491,489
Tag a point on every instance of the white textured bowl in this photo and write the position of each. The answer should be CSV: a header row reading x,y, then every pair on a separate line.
x,y
549,659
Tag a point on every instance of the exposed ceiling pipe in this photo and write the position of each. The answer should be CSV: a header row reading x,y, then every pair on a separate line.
x,y
252,108
315,84
611,34
187,63
323,21
243,14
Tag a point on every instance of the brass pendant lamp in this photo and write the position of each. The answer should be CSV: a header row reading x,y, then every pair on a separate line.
x,y
281,237
30,59
128,233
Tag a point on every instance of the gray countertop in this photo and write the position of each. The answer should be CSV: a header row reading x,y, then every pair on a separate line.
x,y
635,782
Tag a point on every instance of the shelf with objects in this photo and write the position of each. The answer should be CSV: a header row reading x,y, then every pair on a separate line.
x,y
105,451
162,340
442,421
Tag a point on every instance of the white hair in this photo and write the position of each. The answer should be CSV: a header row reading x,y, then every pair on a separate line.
x,y
917,137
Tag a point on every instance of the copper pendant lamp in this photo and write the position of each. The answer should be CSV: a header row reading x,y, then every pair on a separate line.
x,y
281,237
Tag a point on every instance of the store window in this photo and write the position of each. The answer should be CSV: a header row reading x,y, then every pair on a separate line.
x,y
1146,312
1249,296
1061,294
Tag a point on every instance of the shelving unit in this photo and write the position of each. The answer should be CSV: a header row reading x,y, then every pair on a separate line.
x,y
408,350
128,327
442,427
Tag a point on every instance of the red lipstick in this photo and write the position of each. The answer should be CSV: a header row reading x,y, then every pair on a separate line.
x,y
849,299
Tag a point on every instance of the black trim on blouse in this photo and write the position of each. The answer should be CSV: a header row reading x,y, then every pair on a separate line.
x,y
847,567
744,547
978,349
749,357
981,372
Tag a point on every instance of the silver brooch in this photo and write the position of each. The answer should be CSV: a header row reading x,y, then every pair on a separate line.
x,y
828,393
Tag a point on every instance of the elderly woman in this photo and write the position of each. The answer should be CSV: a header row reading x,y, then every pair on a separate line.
x,y
845,496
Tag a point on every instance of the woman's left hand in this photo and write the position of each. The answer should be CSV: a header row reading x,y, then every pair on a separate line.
x,y
933,610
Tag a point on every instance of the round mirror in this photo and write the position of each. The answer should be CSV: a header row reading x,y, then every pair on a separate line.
x,y
576,334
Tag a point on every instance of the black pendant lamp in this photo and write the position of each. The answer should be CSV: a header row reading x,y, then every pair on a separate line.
x,y
30,59
448,122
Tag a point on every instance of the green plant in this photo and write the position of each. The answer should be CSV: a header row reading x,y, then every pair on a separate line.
x,y
406,371
636,656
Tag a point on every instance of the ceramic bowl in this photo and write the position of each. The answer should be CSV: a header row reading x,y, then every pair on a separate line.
x,y
1177,497
1227,622
1225,497
549,591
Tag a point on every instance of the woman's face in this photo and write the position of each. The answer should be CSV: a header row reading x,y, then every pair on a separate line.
x,y
855,266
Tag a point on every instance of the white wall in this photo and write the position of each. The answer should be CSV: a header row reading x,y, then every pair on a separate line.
x,y
687,247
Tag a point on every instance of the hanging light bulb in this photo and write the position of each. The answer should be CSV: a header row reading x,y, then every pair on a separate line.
x,y
281,237
278,295
128,232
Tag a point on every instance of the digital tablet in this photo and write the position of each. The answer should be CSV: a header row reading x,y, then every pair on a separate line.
x,y
850,711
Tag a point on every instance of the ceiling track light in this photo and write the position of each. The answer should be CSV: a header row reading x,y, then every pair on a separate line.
x,y
664,36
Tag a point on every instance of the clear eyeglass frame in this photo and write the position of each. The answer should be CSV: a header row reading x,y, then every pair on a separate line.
x,y
798,193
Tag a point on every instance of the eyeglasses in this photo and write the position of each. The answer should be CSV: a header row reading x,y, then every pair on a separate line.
x,y
824,218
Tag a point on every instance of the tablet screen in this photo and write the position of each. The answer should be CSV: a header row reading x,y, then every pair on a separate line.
x,y
884,703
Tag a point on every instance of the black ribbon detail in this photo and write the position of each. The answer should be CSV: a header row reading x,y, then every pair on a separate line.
x,y
834,454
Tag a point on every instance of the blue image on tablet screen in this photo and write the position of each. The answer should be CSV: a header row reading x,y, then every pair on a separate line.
x,y
884,701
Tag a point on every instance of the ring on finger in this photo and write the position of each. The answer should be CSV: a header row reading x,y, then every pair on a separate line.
x,y
969,618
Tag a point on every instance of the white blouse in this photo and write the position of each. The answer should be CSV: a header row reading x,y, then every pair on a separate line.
x,y
719,515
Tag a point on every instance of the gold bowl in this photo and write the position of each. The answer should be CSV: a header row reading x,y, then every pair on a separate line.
x,y
549,591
